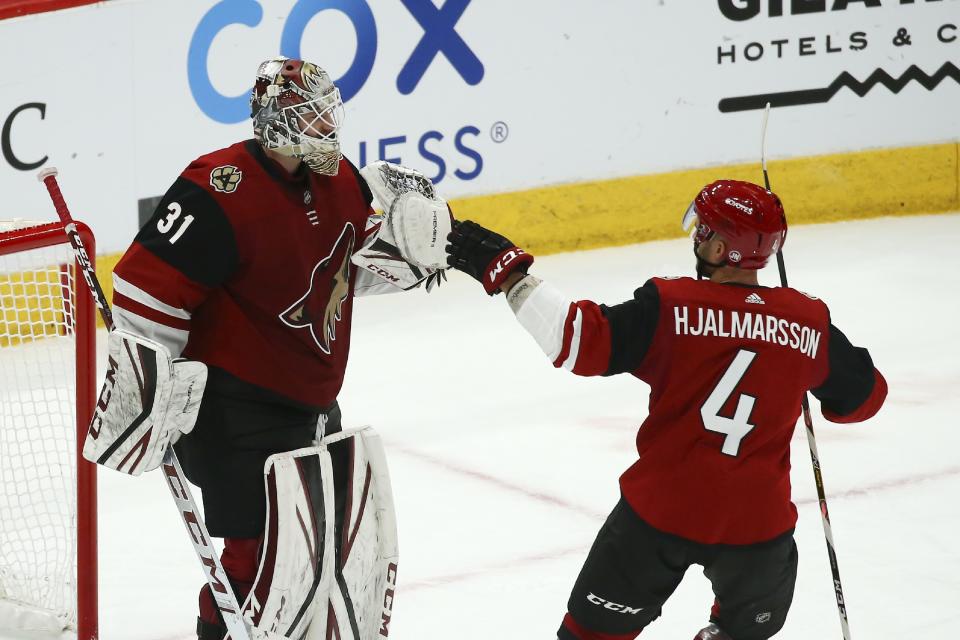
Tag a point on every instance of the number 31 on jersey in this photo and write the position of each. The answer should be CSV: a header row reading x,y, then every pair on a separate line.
x,y
167,223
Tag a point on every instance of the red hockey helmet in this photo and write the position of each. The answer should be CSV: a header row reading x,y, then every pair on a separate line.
x,y
749,218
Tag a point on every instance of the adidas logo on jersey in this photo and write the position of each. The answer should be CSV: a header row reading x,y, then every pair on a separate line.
x,y
754,299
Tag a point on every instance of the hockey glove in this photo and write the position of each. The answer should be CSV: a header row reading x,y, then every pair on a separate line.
x,y
486,256
147,401
404,245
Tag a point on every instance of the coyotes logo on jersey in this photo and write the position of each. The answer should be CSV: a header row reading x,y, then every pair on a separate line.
x,y
225,178
319,308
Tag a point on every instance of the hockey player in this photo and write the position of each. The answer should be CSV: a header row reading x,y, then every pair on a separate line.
x,y
246,272
727,361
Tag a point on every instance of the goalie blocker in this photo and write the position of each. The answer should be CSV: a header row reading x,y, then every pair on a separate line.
x,y
148,401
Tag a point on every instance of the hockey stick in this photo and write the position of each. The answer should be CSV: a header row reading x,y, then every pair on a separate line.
x,y
202,543
808,421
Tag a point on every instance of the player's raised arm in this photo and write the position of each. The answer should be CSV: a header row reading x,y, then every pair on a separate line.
x,y
584,337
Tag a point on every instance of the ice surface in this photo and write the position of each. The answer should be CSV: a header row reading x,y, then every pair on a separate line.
x,y
504,468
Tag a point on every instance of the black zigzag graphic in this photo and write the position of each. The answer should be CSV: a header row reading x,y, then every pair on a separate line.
x,y
816,96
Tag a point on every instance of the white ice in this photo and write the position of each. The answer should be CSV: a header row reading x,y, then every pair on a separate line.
x,y
504,468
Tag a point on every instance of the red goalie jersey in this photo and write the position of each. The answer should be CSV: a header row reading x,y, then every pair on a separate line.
x,y
727,366
246,268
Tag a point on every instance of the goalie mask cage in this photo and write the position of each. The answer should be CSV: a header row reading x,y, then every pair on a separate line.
x,y
48,539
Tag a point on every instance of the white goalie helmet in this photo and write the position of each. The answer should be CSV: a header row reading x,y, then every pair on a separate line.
x,y
297,111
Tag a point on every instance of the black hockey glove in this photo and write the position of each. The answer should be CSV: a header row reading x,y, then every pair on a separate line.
x,y
486,256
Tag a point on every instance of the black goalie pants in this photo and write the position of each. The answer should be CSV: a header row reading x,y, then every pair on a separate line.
x,y
633,568
238,427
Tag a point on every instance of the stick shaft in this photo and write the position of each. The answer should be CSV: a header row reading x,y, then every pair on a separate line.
x,y
808,423
763,157
83,258
821,492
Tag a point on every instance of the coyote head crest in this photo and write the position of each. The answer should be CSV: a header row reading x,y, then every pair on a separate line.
x,y
319,309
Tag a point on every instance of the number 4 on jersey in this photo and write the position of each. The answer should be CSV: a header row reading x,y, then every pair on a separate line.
x,y
737,427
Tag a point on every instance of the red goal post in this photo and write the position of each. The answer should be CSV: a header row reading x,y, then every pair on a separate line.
x,y
41,301
16,8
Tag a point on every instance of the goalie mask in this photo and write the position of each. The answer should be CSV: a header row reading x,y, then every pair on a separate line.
x,y
297,111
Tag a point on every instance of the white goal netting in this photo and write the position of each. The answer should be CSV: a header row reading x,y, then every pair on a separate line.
x,y
38,456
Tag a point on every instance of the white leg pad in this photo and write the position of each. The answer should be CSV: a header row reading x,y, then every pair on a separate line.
x,y
359,604
298,545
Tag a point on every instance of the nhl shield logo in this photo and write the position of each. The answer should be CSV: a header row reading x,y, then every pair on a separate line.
x,y
226,178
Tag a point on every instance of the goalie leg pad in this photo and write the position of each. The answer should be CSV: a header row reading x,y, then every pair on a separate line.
x,y
329,565
298,544
146,403
359,604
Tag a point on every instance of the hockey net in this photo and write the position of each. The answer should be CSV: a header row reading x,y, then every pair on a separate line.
x,y
47,495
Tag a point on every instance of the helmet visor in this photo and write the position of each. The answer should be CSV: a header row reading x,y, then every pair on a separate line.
x,y
691,224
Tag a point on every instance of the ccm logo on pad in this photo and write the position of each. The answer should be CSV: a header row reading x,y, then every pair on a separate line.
x,y
388,599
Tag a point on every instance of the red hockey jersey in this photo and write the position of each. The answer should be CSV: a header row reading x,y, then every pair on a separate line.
x,y
246,267
727,366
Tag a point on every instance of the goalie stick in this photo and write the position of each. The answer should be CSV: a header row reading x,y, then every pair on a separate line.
x,y
176,481
808,422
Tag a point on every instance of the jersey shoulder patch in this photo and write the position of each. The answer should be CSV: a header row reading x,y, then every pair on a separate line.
x,y
220,171
225,178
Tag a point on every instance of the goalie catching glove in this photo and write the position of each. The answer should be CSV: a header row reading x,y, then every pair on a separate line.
x,y
409,245
147,401
485,255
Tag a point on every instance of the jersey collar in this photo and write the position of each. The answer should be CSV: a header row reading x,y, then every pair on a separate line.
x,y
273,168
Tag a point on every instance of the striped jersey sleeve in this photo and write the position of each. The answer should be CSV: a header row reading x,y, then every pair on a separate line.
x,y
186,249
584,337
855,389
